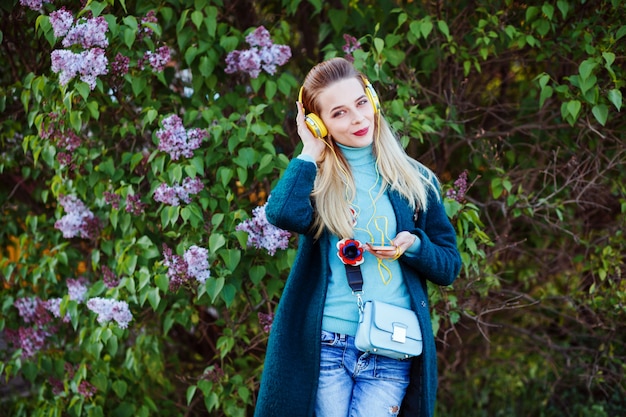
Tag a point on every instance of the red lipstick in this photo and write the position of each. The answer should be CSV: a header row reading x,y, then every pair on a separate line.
x,y
362,132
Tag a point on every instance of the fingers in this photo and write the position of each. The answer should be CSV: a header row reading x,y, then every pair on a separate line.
x,y
402,242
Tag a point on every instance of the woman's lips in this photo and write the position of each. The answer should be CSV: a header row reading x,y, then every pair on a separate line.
x,y
362,132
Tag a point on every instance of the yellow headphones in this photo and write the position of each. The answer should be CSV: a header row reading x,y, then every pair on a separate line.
x,y
314,122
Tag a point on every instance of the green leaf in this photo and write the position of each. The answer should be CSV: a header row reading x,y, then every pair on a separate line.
x,y
120,387
379,44
191,391
216,241
197,17
257,273
601,113
76,120
586,68
154,297
615,97
609,58
231,258
548,10
190,54
214,287
443,28
83,89
270,89
573,108
563,6
546,93
96,7
138,84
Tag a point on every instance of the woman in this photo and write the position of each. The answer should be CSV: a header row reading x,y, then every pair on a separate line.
x,y
353,181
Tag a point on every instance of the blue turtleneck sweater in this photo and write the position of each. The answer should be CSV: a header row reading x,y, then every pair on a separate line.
x,y
375,222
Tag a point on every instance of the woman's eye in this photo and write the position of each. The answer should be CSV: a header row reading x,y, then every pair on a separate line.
x,y
338,113
363,102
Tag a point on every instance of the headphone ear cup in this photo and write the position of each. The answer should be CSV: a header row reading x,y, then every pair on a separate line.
x,y
315,125
372,96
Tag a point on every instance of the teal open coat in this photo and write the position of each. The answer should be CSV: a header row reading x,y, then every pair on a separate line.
x,y
290,375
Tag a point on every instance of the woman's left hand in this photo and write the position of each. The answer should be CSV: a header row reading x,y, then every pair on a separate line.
x,y
400,244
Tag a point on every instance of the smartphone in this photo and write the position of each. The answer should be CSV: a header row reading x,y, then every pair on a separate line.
x,y
381,246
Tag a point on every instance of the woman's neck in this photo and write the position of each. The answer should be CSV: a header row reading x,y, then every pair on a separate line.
x,y
357,156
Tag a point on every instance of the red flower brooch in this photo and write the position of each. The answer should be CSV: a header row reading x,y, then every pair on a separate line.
x,y
350,252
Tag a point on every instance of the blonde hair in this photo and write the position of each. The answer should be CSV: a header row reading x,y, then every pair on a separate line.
x,y
334,186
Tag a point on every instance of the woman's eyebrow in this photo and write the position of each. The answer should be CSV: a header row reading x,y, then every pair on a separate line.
x,y
340,106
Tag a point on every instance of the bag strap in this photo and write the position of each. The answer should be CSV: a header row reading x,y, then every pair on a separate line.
x,y
355,278
355,281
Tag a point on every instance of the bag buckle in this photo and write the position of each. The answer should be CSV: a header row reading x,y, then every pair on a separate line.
x,y
359,300
399,333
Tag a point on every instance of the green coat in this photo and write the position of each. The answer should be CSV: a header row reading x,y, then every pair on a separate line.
x,y
290,375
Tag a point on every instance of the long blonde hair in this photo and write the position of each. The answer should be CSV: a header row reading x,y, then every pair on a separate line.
x,y
334,186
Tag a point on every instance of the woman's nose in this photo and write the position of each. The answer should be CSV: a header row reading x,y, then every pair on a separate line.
x,y
358,118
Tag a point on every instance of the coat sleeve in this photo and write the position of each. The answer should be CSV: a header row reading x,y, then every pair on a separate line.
x,y
437,259
289,205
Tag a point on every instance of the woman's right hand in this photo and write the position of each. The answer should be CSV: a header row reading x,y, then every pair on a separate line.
x,y
312,146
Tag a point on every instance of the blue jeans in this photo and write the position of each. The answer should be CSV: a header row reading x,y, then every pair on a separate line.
x,y
357,384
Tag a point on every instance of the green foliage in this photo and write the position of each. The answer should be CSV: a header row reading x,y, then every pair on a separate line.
x,y
528,98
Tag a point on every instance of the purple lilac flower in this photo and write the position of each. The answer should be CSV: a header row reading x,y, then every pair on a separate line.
x,y
213,373
460,188
146,30
166,195
64,158
180,269
57,385
173,195
34,4
134,204
30,340
352,44
197,263
108,309
32,310
120,65
88,33
190,186
89,64
266,320
260,37
112,199
109,278
86,389
79,220
262,234
53,305
158,59
66,63
262,55
61,21
176,268
70,141
175,140
94,64
77,289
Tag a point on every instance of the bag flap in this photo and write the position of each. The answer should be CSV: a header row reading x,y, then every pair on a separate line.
x,y
385,316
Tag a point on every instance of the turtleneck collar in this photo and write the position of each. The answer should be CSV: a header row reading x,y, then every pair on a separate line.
x,y
358,156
